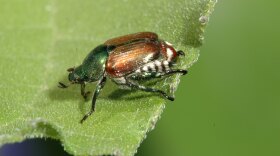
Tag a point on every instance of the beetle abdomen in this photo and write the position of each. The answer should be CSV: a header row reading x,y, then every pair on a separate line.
x,y
157,66
127,58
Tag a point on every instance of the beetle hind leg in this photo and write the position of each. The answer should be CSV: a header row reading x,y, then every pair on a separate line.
x,y
170,72
147,89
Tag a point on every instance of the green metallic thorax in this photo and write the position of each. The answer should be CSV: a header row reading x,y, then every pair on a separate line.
x,y
93,66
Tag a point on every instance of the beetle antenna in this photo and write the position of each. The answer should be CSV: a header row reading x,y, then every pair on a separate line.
x,y
62,85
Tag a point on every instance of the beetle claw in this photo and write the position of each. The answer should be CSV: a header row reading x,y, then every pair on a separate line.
x,y
170,98
61,85
184,72
86,116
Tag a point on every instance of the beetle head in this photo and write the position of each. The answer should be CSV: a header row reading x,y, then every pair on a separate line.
x,y
74,75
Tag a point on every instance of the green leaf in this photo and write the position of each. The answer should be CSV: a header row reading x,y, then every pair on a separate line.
x,y
41,39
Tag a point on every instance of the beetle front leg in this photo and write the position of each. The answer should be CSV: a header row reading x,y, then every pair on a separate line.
x,y
83,93
147,89
99,87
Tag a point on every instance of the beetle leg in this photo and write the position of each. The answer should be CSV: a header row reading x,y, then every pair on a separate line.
x,y
147,89
170,72
167,73
148,76
83,93
99,87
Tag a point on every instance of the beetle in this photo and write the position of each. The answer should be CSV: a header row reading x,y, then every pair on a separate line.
x,y
125,60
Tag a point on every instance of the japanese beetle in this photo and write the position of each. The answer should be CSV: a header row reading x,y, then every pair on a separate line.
x,y
125,59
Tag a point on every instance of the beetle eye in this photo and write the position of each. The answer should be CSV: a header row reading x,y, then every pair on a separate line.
x,y
70,69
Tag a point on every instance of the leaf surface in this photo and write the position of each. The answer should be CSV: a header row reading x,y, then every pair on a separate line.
x,y
41,39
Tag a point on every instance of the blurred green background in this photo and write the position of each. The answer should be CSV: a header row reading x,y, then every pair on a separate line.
x,y
229,103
